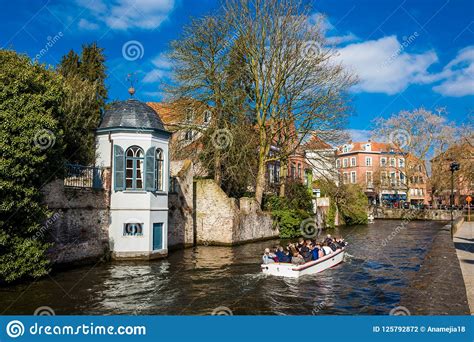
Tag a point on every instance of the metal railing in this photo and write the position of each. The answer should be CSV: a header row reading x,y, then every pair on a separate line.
x,y
79,176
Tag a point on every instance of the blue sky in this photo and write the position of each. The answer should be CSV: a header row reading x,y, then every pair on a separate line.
x,y
407,54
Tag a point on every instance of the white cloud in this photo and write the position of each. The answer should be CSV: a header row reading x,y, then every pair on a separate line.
x,y
337,40
127,14
331,32
87,25
458,75
384,67
162,69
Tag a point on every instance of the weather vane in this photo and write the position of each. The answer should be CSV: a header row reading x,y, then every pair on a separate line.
x,y
132,80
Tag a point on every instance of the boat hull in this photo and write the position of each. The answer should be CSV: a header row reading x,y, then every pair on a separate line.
x,y
311,267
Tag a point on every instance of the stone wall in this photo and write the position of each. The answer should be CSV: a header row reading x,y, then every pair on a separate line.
x,y
221,220
180,204
414,214
78,225
438,286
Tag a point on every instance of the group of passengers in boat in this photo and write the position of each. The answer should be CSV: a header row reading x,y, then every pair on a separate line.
x,y
303,251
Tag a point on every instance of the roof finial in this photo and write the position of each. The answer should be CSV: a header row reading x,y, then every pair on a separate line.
x,y
131,79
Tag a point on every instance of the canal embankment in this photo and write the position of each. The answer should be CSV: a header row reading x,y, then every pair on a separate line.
x,y
464,244
438,287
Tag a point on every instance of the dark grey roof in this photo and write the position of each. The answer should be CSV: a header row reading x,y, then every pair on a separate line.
x,y
131,114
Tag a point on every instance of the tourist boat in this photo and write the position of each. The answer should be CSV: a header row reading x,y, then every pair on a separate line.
x,y
311,267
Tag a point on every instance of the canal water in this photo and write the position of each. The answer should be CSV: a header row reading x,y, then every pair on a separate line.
x,y
379,264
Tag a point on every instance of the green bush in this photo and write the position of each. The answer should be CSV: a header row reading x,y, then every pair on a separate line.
x,y
288,212
353,207
289,222
349,199
31,152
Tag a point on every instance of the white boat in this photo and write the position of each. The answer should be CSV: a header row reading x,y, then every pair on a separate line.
x,y
311,267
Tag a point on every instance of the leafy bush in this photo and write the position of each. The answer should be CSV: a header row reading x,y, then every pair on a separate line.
x,y
349,199
353,206
288,212
31,150
289,222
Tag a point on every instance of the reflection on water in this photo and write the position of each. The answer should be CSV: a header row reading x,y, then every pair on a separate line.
x,y
195,281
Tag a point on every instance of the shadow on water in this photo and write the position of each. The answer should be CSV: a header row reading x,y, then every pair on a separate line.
x,y
195,281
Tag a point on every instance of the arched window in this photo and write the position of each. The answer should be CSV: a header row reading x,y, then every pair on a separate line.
x,y
134,168
159,170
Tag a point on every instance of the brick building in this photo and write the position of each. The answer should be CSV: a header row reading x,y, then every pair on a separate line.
x,y
382,172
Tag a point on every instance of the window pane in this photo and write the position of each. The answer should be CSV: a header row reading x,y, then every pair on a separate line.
x,y
129,173
129,184
139,184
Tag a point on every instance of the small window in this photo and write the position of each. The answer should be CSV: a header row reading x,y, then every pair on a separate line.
x,y
159,170
368,177
133,229
353,161
345,162
401,162
190,116
134,168
368,161
207,116
383,161
353,177
338,163
392,162
188,136
299,171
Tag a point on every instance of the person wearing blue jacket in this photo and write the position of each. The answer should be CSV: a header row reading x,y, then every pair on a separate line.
x,y
281,255
315,253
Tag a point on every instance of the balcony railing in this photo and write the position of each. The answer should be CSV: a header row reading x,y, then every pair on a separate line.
x,y
79,176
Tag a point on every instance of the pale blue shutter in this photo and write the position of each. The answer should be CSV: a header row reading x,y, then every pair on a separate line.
x,y
150,160
119,169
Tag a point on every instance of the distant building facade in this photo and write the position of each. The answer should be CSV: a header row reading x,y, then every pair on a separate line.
x,y
381,171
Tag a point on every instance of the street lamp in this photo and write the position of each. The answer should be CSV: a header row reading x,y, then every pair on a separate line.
x,y
453,168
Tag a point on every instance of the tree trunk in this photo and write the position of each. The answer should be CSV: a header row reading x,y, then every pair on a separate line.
x,y
217,169
260,181
283,177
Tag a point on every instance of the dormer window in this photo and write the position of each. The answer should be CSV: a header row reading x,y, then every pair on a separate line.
x,y
207,116
190,115
188,136
368,147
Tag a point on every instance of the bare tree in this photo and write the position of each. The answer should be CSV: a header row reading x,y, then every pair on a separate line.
x,y
294,79
417,134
